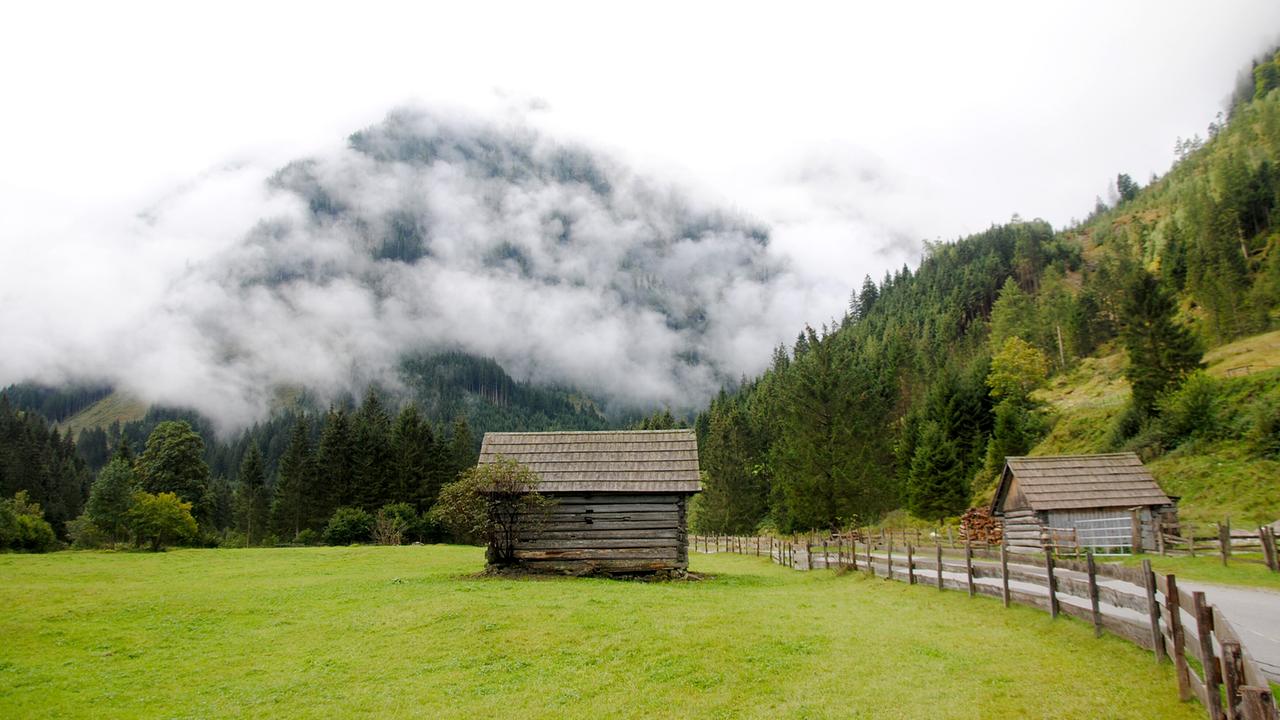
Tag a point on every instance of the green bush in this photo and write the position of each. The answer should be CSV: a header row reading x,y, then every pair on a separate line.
x,y
161,519
1194,410
23,527
348,525
1264,436
307,537
86,535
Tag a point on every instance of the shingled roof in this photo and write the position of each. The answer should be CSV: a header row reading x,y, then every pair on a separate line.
x,y
621,461
1067,482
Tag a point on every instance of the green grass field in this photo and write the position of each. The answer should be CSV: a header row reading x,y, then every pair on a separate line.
x,y
410,632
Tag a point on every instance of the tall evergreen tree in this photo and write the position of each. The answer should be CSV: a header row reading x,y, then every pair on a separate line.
x,y
938,486
335,466
252,500
735,494
462,450
413,452
293,507
1162,352
372,453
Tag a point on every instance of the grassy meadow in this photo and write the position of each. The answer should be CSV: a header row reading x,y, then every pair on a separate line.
x,y
410,631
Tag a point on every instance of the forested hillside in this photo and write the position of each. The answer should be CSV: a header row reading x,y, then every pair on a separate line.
x,y
934,376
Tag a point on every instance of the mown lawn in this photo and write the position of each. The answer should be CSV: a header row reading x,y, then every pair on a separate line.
x,y
408,632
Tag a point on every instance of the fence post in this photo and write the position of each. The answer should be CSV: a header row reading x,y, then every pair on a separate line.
x,y
1004,572
968,564
1157,529
1053,584
1224,541
871,566
1209,662
911,566
1153,610
1257,703
1268,550
889,572
1135,528
1232,676
1191,539
1173,616
1093,592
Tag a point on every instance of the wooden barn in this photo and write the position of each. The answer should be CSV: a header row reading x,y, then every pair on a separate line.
x,y
1109,503
621,498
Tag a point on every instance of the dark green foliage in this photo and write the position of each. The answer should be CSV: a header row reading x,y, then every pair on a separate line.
x,y
174,463
415,455
349,525
1194,410
462,449
111,496
735,494
336,464
1162,352
56,404
1264,435
659,420
373,467
938,486
294,506
251,497
827,461
38,460
1126,188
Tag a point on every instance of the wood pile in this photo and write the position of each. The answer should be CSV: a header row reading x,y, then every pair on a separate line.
x,y
980,528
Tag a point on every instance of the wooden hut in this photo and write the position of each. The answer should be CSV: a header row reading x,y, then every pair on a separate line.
x,y
1110,503
620,498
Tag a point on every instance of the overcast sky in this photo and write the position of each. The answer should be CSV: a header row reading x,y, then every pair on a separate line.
x,y
852,131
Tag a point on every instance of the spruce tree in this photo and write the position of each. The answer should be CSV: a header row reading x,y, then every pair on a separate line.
x,y
251,496
938,486
372,453
335,466
293,506
1162,352
412,449
462,451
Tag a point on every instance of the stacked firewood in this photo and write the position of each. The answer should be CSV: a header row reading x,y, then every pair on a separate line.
x,y
979,527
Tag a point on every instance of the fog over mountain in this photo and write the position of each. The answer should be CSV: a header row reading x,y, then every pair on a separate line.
x,y
427,231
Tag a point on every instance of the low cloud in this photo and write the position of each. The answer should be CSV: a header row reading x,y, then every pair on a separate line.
x,y
425,232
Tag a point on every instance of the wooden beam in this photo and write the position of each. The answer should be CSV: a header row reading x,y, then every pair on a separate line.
x,y
1173,617
1093,593
1212,673
1004,572
1153,610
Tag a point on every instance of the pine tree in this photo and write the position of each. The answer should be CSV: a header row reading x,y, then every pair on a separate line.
x,y
413,451
251,496
736,492
372,453
1162,352
293,507
938,486
462,451
335,466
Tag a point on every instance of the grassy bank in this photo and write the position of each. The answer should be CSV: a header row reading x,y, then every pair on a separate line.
x,y
378,632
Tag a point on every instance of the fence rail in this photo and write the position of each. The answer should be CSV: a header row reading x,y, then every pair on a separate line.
x,y
1146,608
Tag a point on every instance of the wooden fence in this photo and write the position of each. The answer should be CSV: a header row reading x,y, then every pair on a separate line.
x,y
1144,607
